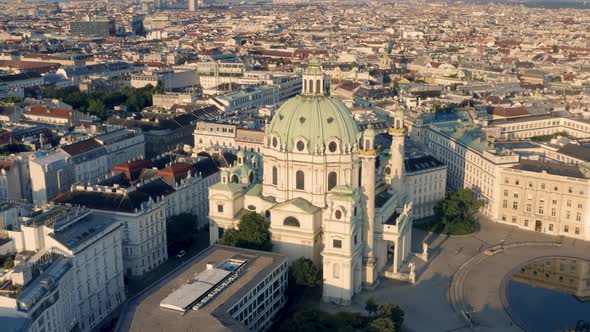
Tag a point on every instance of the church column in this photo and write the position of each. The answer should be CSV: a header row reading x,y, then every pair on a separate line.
x,y
368,157
396,250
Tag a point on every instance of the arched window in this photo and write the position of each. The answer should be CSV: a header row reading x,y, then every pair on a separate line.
x,y
336,271
300,180
304,85
317,86
251,177
291,221
235,179
310,86
332,180
367,144
275,175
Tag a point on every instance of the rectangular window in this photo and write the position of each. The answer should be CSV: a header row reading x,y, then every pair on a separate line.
x,y
526,223
337,244
220,208
577,230
515,205
566,229
551,227
514,220
505,204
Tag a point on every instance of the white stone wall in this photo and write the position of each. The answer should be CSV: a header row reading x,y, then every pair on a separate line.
x,y
546,203
144,238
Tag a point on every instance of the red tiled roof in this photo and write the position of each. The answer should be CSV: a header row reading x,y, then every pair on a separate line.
x,y
132,169
510,111
6,165
61,113
81,147
176,171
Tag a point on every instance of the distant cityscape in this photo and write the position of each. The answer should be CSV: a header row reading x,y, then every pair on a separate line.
x,y
294,165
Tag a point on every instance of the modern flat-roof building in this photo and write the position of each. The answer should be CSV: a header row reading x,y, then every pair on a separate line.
x,y
222,289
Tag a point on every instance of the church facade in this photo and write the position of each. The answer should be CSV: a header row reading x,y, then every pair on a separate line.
x,y
329,193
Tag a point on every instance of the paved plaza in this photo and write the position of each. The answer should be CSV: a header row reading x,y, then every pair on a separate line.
x,y
427,304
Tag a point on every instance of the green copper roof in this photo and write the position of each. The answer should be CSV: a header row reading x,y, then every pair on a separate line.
x,y
315,118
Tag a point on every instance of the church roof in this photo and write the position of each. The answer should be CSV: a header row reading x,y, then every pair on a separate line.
x,y
300,203
317,119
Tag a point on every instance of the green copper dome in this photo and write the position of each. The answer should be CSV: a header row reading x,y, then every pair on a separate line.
x,y
317,119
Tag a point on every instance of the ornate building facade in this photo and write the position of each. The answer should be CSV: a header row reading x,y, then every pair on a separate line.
x,y
316,181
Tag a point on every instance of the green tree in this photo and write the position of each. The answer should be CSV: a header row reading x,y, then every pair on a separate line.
x,y
382,325
8,263
458,210
252,233
393,312
305,273
97,107
371,306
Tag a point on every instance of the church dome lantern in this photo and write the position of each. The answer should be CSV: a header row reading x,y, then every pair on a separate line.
x,y
308,123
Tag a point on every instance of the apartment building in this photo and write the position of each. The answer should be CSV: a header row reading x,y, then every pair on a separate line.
x,y
15,177
546,197
247,98
426,179
215,73
142,214
82,162
472,160
68,272
209,135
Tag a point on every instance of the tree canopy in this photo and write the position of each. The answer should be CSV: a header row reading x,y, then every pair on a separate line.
x,y
457,212
305,273
97,103
253,233
389,319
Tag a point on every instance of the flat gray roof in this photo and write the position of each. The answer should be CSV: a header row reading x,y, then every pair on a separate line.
x,y
148,316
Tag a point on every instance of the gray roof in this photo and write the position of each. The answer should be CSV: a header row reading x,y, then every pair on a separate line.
x,y
580,152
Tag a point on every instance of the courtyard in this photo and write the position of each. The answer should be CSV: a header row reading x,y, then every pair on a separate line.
x,y
459,278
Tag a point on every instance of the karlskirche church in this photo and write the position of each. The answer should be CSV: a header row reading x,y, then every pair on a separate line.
x,y
328,192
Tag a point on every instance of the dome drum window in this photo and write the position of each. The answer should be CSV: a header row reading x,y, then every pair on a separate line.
x,y
300,145
332,146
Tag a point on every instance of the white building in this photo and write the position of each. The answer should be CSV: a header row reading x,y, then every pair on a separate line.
x,y
215,73
15,177
224,289
315,180
74,279
142,216
427,184
82,162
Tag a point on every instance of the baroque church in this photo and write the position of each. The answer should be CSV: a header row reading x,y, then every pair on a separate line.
x,y
329,193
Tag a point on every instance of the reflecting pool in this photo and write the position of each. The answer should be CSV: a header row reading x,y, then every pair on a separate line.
x,y
550,294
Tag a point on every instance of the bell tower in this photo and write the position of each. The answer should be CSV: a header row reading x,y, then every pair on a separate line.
x,y
394,171
314,81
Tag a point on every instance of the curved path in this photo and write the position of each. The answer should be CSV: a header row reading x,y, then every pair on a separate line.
x,y
460,277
